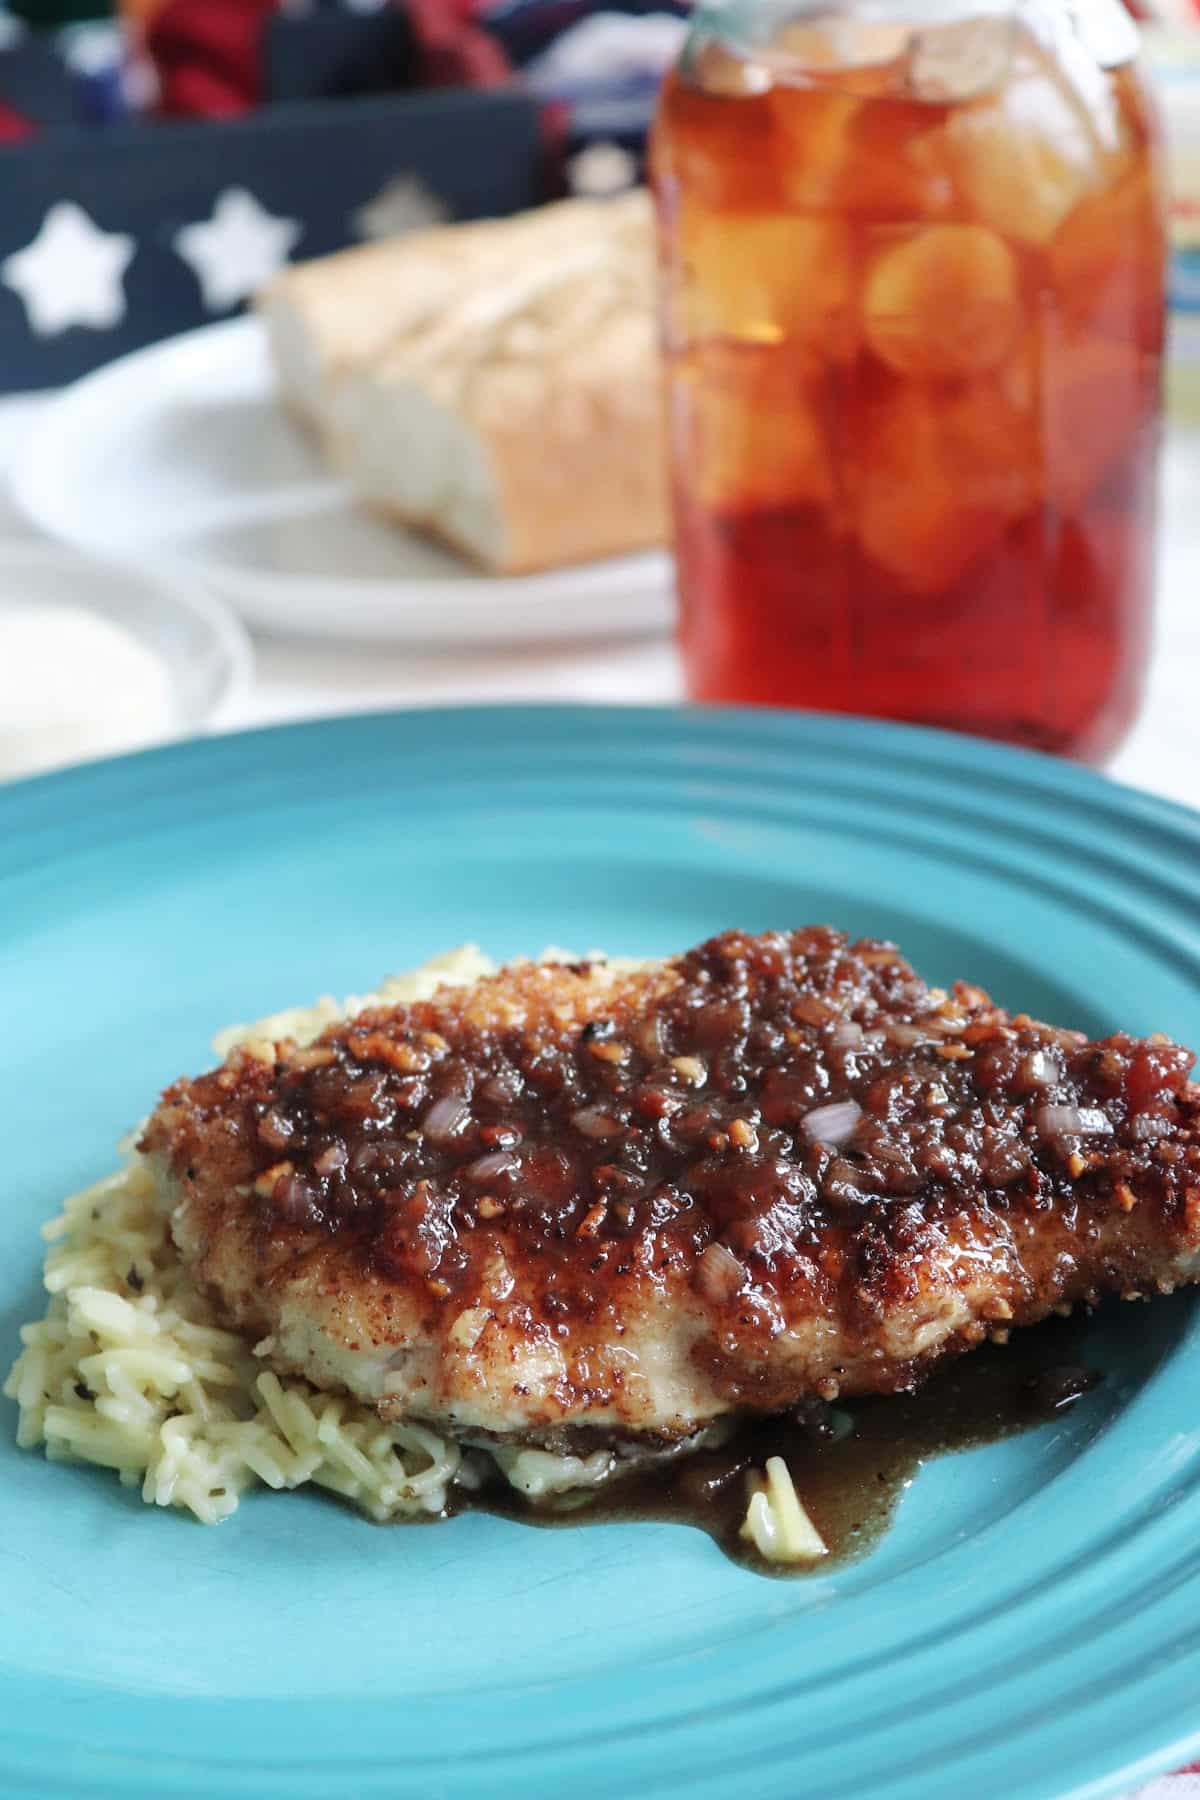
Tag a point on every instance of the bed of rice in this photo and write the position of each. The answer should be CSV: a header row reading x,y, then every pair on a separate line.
x,y
127,1368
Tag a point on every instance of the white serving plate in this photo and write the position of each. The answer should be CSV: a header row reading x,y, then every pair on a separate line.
x,y
181,454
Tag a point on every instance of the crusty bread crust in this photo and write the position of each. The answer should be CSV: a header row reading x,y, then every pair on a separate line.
x,y
525,346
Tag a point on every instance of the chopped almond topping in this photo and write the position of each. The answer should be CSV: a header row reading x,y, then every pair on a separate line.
x,y
376,1046
1191,1208
267,1182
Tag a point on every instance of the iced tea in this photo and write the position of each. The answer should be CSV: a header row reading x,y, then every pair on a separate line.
x,y
913,316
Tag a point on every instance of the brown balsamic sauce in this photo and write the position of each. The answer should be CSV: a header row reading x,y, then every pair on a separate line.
x,y
850,1481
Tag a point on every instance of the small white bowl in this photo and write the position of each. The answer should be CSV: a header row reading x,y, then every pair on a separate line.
x,y
203,648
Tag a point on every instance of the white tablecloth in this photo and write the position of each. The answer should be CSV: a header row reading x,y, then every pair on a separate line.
x,y
298,679
1162,754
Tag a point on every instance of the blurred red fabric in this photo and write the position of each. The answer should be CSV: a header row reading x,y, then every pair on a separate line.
x,y
12,126
456,50
207,52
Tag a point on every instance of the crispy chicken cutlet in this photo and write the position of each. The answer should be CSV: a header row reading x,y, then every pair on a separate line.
x,y
573,1202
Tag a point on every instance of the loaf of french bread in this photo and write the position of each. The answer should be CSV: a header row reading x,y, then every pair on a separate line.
x,y
495,384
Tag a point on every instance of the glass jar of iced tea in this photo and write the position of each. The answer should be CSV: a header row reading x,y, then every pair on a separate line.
x,y
913,268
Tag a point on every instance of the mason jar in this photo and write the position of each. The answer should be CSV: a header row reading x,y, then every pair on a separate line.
x,y
913,301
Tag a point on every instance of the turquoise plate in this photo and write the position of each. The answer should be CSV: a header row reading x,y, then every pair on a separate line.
x,y
1031,1626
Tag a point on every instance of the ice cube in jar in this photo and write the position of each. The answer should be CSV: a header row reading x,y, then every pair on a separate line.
x,y
1023,156
754,434
942,300
767,278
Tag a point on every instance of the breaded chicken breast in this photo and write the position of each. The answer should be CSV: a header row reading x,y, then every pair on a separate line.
x,y
571,1202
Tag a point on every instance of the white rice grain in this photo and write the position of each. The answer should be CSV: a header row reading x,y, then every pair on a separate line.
x,y
128,1369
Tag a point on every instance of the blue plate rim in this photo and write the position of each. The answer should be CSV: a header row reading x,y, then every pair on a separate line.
x,y
940,755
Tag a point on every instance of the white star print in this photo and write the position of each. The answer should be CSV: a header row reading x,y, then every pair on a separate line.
x,y
236,251
91,49
71,274
405,204
600,170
